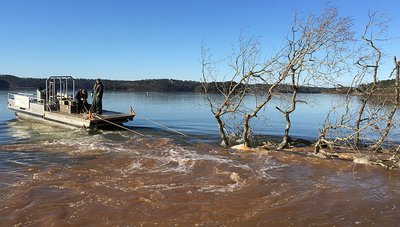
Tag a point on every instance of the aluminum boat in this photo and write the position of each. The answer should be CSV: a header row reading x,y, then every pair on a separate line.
x,y
55,103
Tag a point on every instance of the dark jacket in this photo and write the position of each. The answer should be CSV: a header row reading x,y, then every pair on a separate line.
x,y
98,90
79,96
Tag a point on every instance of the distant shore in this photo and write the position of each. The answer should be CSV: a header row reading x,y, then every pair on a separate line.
x,y
153,85
163,85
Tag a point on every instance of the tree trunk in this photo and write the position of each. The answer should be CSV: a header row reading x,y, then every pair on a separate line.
x,y
222,133
246,125
246,135
317,146
387,129
285,140
358,120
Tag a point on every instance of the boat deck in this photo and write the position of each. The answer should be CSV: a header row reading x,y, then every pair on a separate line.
x,y
84,120
81,120
107,114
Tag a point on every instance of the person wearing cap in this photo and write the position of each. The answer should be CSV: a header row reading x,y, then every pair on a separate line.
x,y
97,93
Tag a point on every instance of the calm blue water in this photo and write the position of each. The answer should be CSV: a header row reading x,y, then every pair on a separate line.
x,y
190,114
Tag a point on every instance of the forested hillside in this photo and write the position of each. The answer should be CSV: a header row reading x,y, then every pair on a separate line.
x,y
154,85
13,82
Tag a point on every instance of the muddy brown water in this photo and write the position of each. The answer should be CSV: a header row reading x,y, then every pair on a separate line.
x,y
117,179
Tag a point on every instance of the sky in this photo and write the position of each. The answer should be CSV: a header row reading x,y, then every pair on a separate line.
x,y
133,40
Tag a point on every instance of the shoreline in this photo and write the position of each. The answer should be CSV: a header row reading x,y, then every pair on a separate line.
x,y
388,160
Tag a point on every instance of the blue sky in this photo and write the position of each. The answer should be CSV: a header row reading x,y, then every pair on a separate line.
x,y
132,40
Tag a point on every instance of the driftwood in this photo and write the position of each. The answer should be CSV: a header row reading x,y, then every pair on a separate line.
x,y
389,160
386,160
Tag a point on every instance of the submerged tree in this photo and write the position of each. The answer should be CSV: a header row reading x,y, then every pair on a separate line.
x,y
312,46
395,106
242,63
356,125
314,52
369,64
311,49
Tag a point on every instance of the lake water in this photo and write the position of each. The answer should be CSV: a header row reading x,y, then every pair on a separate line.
x,y
52,176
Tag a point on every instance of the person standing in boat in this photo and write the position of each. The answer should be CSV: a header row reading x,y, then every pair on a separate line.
x,y
97,93
81,101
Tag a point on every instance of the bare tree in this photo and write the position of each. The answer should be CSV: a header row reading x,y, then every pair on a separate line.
x,y
367,62
311,49
242,63
395,106
371,116
312,45
380,115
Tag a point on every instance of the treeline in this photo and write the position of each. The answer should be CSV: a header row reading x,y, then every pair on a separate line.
x,y
12,82
160,85
217,87
382,87
154,85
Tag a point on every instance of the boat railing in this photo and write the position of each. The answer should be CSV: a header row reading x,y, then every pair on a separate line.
x,y
32,97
